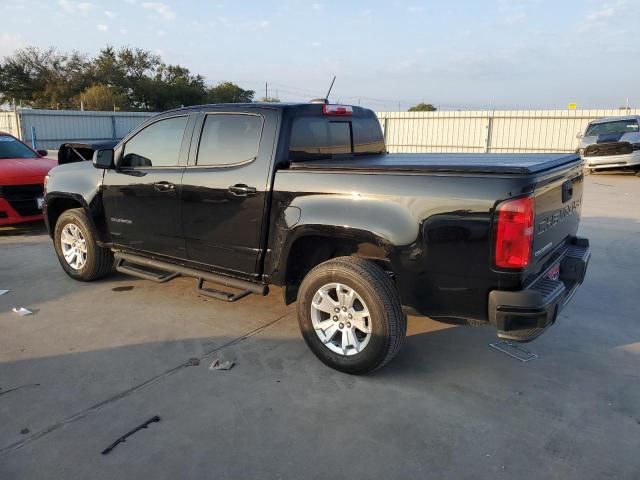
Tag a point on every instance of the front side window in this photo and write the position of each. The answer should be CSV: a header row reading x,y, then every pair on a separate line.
x,y
12,148
616,127
229,139
158,145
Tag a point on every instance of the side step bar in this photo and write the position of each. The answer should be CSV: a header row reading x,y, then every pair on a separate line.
x,y
174,271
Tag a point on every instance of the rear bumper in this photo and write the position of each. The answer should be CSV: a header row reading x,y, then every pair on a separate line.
x,y
523,315
9,216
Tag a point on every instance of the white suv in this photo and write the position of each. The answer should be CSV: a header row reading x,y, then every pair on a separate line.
x,y
612,142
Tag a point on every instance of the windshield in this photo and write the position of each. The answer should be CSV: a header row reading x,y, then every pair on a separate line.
x,y
618,126
12,148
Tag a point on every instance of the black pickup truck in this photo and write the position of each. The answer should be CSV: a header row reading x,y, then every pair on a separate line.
x,y
305,197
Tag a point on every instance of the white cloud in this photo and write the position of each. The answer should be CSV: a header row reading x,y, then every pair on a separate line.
x,y
101,27
511,12
316,6
124,31
110,14
161,9
415,8
75,7
316,44
606,16
161,33
9,42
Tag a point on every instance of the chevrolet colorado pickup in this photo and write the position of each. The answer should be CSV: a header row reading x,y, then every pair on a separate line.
x,y
305,197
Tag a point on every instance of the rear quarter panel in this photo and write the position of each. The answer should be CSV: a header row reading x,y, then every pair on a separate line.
x,y
435,229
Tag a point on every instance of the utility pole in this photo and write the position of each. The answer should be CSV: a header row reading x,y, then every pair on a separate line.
x,y
266,90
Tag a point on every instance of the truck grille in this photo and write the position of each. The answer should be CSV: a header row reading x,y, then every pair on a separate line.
x,y
606,149
23,198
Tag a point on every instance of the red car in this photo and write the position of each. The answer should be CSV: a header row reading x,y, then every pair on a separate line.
x,y
22,172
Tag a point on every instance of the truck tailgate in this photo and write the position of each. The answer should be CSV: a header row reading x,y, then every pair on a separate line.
x,y
558,200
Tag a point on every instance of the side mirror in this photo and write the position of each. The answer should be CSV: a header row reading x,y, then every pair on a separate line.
x,y
42,153
579,135
103,158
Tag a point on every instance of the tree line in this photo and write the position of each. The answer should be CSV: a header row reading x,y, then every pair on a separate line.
x,y
125,78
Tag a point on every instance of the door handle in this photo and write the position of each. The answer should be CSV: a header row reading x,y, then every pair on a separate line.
x,y
164,186
241,190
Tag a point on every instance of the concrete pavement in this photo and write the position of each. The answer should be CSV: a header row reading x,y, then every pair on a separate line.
x,y
447,407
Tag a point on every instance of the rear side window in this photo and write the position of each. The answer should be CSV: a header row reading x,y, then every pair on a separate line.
x,y
321,137
229,139
158,145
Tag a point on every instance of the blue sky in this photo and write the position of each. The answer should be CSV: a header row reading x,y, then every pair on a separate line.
x,y
456,54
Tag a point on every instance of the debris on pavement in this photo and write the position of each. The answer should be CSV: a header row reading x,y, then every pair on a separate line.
x,y
514,351
22,311
193,362
123,438
125,288
2,292
217,364
24,431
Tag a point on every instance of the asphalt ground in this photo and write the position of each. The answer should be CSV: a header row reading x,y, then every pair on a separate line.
x,y
97,359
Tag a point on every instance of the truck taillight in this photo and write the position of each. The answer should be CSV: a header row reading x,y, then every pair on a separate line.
x,y
514,233
337,110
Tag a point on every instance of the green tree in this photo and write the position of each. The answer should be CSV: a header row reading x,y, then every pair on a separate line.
x,y
102,98
423,107
131,78
229,92
43,78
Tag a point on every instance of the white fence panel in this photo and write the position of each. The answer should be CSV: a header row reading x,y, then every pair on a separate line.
x,y
405,132
522,131
9,123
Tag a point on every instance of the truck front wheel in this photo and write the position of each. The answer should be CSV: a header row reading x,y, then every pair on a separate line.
x,y
350,315
75,243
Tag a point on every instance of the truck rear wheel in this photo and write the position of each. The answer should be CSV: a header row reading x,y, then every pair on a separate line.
x,y
75,244
350,315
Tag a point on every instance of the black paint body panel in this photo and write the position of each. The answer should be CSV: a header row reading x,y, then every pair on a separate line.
x,y
428,218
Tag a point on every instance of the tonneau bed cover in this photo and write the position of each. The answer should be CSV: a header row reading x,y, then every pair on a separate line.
x,y
499,163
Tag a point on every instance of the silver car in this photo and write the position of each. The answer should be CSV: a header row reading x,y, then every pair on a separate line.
x,y
612,142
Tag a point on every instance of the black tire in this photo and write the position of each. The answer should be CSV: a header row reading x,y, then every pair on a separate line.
x,y
388,322
99,260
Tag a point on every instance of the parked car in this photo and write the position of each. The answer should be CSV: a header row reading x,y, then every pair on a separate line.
x,y
611,143
22,172
305,197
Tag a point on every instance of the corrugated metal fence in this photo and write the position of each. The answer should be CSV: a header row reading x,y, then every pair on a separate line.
x,y
489,131
445,131
53,127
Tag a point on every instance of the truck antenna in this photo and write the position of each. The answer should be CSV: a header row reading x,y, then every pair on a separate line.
x,y
330,87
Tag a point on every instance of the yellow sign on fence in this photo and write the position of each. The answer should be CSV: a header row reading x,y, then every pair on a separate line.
x,y
572,106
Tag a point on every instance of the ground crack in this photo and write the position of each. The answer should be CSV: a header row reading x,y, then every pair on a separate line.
x,y
119,396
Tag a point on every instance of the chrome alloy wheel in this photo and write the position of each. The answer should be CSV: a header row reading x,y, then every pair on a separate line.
x,y
341,319
74,246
